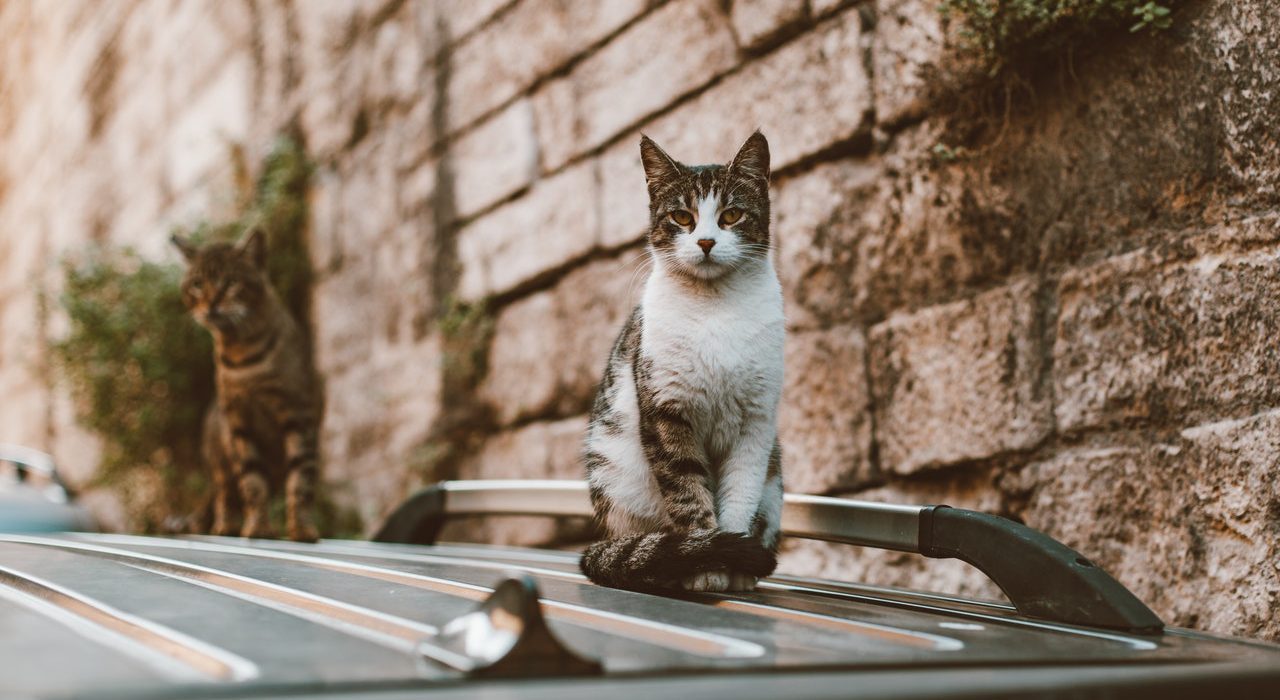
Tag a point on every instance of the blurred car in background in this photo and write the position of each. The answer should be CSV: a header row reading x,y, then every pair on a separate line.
x,y
32,496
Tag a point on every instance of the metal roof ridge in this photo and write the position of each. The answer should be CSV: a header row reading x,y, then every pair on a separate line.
x,y
172,653
695,641
391,631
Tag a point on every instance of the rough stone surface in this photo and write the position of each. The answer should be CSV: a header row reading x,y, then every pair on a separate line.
x,y
825,419
549,349
522,45
554,223
821,79
960,382
495,159
555,116
1178,522
1061,311
1174,343
909,43
757,22
615,89
814,256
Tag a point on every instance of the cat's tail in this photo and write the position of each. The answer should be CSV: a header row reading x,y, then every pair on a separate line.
x,y
661,560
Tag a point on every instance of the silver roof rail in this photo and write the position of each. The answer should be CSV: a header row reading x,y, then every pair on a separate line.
x,y
1042,577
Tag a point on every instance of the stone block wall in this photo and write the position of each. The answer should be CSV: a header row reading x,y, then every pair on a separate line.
x,y
1073,323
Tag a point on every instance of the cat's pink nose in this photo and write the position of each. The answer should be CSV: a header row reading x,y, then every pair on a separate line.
x,y
706,244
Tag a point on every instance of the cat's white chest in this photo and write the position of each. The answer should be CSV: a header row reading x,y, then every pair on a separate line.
x,y
721,357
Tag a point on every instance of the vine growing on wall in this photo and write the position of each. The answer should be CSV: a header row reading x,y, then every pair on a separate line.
x,y
140,368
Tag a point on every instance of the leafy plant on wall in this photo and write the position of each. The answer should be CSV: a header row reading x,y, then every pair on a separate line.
x,y
1003,32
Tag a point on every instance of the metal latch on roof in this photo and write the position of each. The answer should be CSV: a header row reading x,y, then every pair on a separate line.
x,y
506,637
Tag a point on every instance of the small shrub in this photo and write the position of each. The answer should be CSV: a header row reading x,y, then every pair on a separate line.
x,y
143,375
1005,31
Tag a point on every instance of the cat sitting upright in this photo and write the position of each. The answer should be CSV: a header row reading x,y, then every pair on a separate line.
x,y
682,456
263,426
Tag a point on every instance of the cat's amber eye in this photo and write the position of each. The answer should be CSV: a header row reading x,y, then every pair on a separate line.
x,y
730,216
682,217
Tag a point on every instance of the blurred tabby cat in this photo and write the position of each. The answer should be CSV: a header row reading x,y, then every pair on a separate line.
x,y
682,455
262,428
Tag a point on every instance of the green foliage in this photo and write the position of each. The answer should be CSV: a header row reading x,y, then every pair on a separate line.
x,y
466,329
1152,15
1003,31
142,370
943,153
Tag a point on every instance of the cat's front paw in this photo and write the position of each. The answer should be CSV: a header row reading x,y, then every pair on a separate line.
x,y
707,582
256,528
301,529
741,582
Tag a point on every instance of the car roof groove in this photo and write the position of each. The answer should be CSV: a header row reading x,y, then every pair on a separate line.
x,y
391,631
693,641
1001,613
165,650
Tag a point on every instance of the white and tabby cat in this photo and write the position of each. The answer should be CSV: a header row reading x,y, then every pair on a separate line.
x,y
682,454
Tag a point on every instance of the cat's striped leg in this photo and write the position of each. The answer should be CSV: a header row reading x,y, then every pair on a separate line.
x,y
681,472
226,497
679,467
302,460
248,468
226,516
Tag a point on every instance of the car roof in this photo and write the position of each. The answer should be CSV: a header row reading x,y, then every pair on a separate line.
x,y
130,615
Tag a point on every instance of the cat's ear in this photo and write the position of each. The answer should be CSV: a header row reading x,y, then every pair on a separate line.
x,y
253,246
184,246
658,166
753,158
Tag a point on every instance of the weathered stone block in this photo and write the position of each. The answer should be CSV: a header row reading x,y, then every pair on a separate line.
x,y
822,7
756,22
1139,340
960,381
495,159
555,115
815,257
531,40
549,350
824,421
820,78
910,40
461,17
399,61
640,72
624,201
1187,525
543,450
197,139
377,414
554,223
